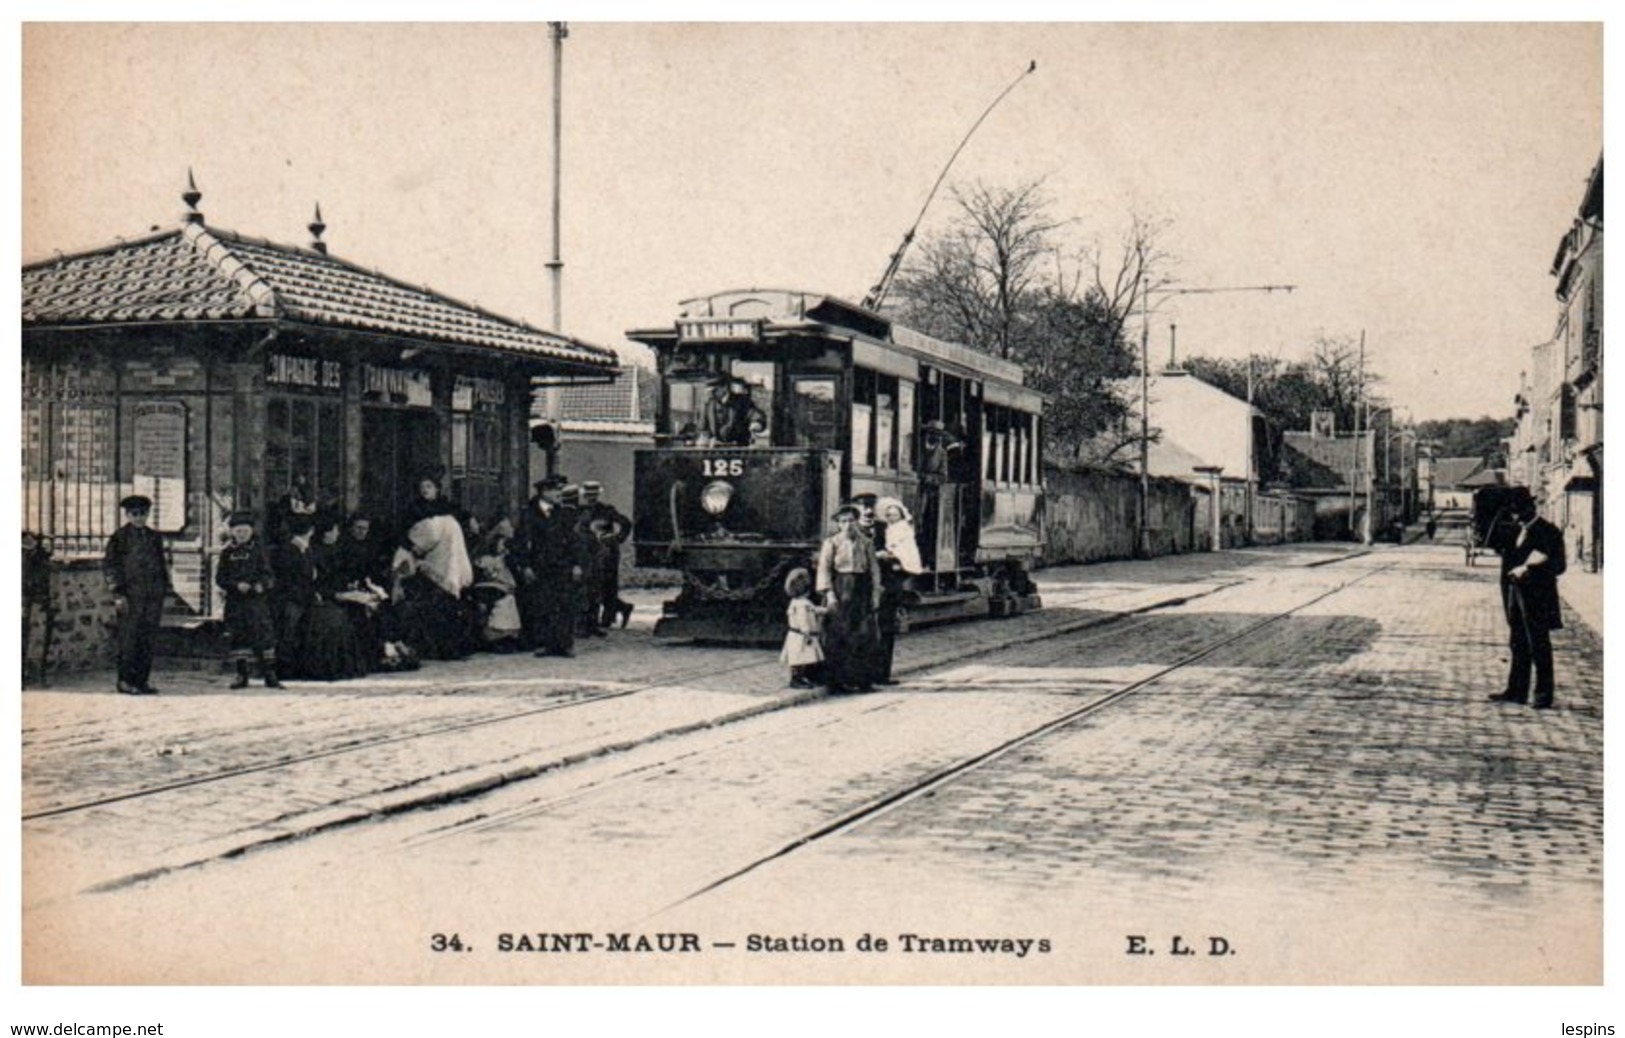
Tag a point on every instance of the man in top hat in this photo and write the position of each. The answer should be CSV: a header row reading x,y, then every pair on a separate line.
x,y
849,580
138,578
610,529
554,563
1529,572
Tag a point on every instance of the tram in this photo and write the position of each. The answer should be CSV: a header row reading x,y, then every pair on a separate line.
x,y
777,406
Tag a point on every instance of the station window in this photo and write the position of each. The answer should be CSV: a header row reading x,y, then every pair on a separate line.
x,y
302,438
70,489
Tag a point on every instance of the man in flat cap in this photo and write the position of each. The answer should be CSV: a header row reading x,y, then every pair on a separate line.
x,y
849,580
138,579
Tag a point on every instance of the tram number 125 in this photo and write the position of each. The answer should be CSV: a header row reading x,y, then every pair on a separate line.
x,y
724,466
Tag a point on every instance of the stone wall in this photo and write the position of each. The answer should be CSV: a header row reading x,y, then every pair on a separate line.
x,y
1092,515
82,634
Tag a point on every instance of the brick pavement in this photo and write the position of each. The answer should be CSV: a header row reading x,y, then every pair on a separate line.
x,y
1338,798
1347,764
317,755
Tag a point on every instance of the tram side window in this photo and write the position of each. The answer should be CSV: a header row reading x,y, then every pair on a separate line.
x,y
905,426
863,414
885,422
875,425
815,416
1010,439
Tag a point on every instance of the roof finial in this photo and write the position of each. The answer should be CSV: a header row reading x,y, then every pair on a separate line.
x,y
192,197
316,227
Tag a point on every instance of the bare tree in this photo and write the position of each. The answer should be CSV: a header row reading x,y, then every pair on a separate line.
x,y
1001,278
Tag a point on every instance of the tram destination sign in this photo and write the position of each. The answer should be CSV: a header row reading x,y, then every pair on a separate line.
x,y
731,329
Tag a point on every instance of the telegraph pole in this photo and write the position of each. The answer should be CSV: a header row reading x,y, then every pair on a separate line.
x,y
555,266
1143,546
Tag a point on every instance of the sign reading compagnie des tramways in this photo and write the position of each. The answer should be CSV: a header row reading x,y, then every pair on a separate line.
x,y
287,369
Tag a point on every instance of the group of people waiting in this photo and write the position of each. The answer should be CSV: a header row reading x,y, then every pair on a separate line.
x,y
321,596
843,620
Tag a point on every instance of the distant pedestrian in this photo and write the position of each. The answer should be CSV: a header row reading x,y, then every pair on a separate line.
x,y
849,580
1529,572
803,640
244,575
1432,527
138,577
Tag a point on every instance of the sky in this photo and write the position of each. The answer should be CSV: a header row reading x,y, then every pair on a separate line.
x,y
1411,180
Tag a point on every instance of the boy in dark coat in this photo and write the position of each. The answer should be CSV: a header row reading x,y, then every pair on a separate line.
x,y
244,575
138,578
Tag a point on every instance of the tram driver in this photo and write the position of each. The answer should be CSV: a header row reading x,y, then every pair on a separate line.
x,y
731,417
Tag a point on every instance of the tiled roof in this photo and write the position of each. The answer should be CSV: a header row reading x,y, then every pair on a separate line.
x,y
1323,461
1452,472
615,401
198,273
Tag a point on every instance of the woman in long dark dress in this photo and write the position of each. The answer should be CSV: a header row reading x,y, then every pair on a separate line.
x,y
332,649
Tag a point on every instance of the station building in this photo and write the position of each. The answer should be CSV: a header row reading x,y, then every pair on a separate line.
x,y
210,371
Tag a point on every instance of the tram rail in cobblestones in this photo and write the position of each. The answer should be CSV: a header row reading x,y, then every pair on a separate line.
x,y
1111,620
369,744
959,769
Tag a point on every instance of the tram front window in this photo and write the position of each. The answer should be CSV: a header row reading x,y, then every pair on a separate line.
x,y
685,408
757,378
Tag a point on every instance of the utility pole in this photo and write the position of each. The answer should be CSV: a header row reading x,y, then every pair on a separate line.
x,y
1144,540
555,266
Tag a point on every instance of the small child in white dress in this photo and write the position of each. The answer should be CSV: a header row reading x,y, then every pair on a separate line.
x,y
803,644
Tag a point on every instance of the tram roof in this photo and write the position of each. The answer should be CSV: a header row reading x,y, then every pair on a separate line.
x,y
760,314
200,273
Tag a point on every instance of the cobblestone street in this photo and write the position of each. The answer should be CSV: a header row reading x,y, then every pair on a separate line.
x,y
1285,750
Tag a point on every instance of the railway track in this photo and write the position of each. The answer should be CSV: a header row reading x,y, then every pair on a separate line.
x,y
363,745
966,766
1111,626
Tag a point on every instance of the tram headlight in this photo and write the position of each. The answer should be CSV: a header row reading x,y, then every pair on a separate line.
x,y
715,497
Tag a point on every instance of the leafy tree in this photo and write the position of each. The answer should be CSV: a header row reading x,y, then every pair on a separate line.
x,y
1468,437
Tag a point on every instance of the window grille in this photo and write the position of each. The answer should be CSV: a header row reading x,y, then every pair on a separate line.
x,y
70,450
